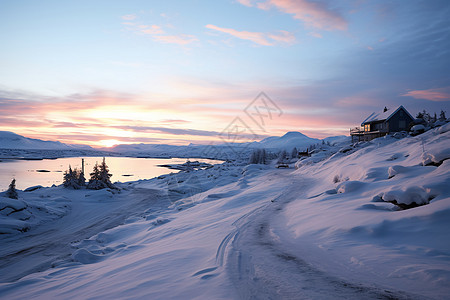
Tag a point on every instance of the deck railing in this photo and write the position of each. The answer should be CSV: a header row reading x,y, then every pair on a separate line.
x,y
356,130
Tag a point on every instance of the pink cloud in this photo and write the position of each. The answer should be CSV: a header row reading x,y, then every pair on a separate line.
x,y
158,34
182,39
245,2
256,37
282,36
439,94
260,38
314,14
129,17
152,29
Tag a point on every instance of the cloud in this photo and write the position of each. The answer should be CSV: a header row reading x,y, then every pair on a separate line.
x,y
313,14
151,29
315,34
158,34
174,131
182,39
260,38
282,36
129,17
439,94
245,2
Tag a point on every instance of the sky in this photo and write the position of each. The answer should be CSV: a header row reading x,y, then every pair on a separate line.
x,y
110,72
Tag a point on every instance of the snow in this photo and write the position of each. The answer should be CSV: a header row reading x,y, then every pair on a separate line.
x,y
288,141
321,231
10,140
383,115
21,215
418,128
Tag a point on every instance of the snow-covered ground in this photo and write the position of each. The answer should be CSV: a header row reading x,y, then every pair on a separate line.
x,y
323,230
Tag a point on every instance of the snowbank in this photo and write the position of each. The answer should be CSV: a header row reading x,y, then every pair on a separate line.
x,y
30,210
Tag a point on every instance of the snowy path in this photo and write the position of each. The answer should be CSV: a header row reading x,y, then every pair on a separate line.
x,y
261,266
50,244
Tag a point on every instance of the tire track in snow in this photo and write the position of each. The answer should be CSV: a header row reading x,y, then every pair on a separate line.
x,y
261,269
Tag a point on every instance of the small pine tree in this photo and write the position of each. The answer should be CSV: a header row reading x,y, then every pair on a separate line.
x,y
12,192
100,177
282,157
426,116
258,156
442,116
71,178
252,159
263,156
434,118
95,175
294,153
104,172
81,179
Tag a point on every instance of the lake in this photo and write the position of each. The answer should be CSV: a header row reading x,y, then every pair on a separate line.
x,y
50,171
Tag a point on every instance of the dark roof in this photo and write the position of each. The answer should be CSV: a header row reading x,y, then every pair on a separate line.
x,y
384,115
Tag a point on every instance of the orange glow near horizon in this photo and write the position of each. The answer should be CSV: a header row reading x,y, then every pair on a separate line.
x,y
105,121
109,143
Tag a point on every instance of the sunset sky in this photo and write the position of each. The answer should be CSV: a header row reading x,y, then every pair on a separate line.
x,y
110,72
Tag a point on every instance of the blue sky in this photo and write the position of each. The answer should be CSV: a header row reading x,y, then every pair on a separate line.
x,y
105,72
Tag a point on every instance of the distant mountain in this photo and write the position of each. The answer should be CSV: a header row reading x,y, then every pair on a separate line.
x,y
288,141
10,140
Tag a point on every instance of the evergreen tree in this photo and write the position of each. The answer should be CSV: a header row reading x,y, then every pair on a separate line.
x,y
81,179
258,156
12,192
282,157
252,159
95,175
294,153
426,116
263,157
71,178
104,172
442,116
100,177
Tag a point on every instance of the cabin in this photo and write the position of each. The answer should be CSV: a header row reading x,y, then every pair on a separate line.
x,y
382,123
303,153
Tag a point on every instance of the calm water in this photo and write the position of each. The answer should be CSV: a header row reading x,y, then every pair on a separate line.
x,y
122,168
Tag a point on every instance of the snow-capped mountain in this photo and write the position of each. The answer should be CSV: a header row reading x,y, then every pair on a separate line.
x,y
10,140
288,141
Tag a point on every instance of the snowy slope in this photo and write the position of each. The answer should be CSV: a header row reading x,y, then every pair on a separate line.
x,y
320,231
10,140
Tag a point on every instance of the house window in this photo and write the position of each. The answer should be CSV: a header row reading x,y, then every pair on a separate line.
x,y
367,127
402,124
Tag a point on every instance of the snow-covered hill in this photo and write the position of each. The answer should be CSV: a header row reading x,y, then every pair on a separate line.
x,y
326,230
10,140
288,141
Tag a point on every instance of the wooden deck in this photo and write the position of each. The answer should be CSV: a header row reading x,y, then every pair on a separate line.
x,y
359,135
